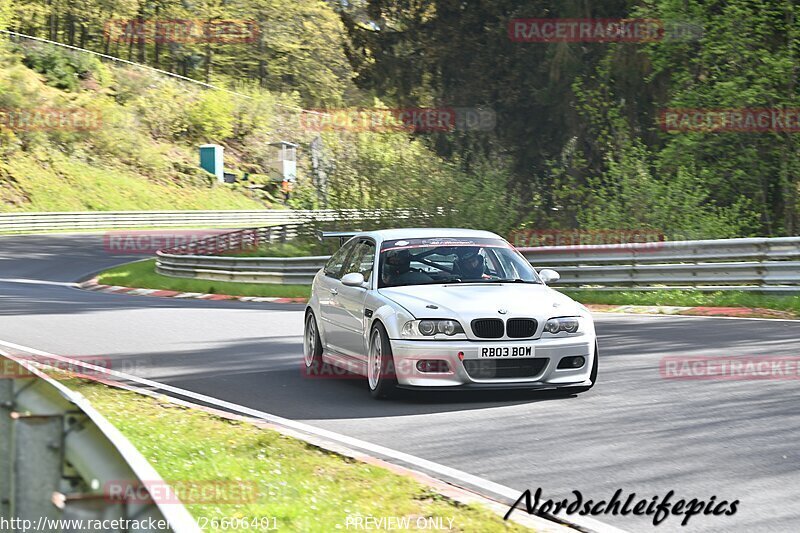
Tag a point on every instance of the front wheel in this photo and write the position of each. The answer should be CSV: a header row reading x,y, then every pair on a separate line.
x,y
380,364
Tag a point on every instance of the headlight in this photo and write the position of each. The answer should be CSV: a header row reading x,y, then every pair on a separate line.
x,y
431,327
555,325
427,327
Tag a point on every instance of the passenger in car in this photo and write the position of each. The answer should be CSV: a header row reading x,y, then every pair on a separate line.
x,y
397,270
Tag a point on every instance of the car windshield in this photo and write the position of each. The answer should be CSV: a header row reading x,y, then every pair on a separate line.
x,y
471,260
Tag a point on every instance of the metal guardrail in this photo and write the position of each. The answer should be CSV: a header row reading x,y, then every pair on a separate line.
x,y
758,249
741,264
197,259
58,455
771,264
241,240
97,220
281,270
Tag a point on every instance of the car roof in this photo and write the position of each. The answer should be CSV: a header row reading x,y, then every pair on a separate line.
x,y
427,233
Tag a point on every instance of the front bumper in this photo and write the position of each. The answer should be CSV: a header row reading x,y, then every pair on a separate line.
x,y
548,352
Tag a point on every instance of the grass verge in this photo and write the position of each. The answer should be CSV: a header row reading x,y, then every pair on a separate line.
x,y
689,299
63,183
300,486
142,275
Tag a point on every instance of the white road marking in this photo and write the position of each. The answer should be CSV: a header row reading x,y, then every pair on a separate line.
x,y
38,282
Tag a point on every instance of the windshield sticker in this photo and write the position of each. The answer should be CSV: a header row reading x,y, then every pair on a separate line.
x,y
443,242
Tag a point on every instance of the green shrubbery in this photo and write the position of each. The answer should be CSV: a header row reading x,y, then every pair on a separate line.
x,y
395,170
63,69
210,116
630,195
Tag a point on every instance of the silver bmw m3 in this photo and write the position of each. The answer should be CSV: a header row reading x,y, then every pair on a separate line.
x,y
446,309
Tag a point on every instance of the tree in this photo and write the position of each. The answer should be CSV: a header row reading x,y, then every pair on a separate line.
x,y
6,13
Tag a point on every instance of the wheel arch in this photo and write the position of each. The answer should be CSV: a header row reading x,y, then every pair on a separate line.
x,y
392,318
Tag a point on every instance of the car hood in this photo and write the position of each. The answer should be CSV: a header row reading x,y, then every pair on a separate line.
x,y
469,301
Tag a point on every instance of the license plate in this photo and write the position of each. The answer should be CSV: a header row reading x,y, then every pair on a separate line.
x,y
506,351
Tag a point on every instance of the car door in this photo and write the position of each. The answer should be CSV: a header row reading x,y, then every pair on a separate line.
x,y
327,291
352,300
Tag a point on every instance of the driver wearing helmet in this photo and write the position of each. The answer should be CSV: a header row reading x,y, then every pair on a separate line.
x,y
470,263
397,269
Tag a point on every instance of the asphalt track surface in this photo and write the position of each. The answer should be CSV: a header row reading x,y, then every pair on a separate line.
x,y
635,431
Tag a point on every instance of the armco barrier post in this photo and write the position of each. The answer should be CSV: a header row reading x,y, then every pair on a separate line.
x,y
6,396
763,265
37,456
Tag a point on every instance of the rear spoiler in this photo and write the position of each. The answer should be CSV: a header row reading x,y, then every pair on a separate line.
x,y
343,236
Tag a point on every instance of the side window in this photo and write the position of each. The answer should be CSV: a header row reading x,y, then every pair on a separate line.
x,y
333,268
362,260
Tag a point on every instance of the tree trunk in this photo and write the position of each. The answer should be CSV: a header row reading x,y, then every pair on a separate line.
x,y
141,41
209,53
157,40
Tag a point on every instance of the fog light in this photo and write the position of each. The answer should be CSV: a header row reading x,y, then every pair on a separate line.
x,y
572,362
432,365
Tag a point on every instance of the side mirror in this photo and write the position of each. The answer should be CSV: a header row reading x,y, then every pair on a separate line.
x,y
549,275
353,279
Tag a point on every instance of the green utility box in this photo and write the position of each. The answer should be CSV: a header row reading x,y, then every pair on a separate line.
x,y
212,160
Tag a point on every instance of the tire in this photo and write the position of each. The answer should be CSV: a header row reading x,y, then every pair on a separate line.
x,y
592,375
381,376
312,346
